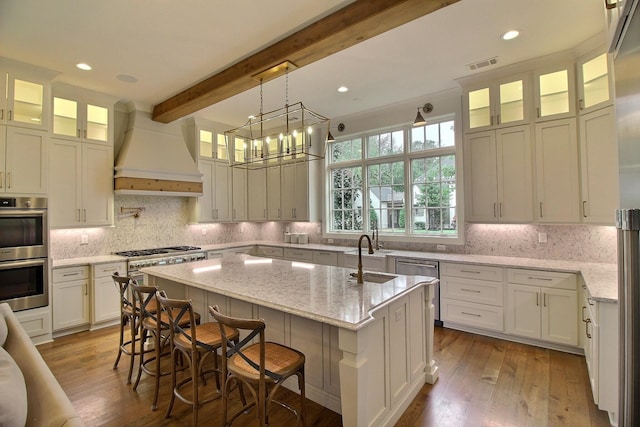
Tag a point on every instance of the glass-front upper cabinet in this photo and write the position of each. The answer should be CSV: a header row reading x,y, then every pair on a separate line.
x,y
82,115
594,83
212,145
25,103
555,93
501,103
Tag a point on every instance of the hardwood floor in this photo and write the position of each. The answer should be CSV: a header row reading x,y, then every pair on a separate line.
x,y
483,382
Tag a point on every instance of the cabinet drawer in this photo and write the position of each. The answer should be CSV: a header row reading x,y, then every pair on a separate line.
x,y
70,273
298,254
547,279
470,314
325,258
469,271
106,270
478,291
270,251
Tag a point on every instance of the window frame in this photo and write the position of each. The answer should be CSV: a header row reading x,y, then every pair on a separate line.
x,y
407,156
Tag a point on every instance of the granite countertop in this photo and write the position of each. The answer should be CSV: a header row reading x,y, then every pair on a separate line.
x,y
322,293
600,279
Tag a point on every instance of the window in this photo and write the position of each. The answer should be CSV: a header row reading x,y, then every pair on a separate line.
x,y
405,177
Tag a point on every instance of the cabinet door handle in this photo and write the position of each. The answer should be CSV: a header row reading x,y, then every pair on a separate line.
x,y
470,290
537,299
85,289
545,279
541,210
9,115
79,217
581,104
470,271
544,299
1,113
590,301
70,274
583,308
497,119
278,213
84,211
78,132
586,327
538,112
1,179
8,179
500,209
584,208
495,210
470,314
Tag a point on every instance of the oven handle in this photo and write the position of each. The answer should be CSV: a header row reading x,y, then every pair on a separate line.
x,y
6,265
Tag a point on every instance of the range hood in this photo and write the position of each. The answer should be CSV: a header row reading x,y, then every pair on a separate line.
x,y
154,160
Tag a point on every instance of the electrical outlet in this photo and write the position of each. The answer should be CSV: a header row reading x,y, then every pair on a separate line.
x,y
204,231
542,237
84,239
441,247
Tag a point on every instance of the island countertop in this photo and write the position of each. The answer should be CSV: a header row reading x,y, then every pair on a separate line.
x,y
322,293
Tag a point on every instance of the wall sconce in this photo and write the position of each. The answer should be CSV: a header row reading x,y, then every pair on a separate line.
x,y
420,121
341,127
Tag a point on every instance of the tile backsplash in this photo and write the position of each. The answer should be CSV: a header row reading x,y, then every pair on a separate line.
x,y
164,222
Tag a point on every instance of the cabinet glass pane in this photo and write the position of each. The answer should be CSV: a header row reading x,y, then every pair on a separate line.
x,y
554,93
206,144
65,117
595,81
479,108
273,147
222,147
97,123
511,102
240,148
27,102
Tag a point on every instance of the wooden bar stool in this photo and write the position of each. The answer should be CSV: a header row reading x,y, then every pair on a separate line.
x,y
148,307
128,317
262,367
195,344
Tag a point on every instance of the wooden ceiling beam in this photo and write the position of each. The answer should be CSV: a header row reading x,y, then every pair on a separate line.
x,y
344,28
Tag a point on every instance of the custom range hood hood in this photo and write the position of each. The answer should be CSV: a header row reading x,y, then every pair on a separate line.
x,y
154,160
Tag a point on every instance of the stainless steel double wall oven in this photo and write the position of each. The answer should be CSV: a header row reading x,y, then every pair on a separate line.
x,y
24,252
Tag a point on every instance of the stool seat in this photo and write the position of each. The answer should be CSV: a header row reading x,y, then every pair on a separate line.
x,y
281,360
207,333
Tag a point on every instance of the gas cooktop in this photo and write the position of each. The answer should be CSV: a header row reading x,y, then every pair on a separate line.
x,y
157,251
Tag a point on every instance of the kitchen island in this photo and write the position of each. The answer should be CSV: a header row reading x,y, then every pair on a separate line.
x,y
369,347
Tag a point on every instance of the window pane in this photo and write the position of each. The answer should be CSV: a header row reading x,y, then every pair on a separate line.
x,y
346,193
432,136
417,138
386,197
346,150
434,188
447,134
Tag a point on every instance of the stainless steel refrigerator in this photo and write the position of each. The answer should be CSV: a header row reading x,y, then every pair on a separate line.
x,y
626,48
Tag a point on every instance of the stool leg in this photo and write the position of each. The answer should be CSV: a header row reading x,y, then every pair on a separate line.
x,y
158,351
173,382
134,333
303,406
122,321
143,338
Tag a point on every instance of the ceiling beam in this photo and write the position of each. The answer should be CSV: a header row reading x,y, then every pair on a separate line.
x,y
344,28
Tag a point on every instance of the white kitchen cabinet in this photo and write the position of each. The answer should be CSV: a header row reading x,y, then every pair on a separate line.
x,y
554,89
542,305
600,340
500,103
239,194
472,296
599,166
215,203
105,296
270,251
557,172
274,202
81,193
498,166
36,323
295,191
595,82
24,98
70,297
257,194
294,254
325,258
82,115
23,160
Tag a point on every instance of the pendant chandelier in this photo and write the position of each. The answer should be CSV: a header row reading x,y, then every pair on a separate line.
x,y
291,133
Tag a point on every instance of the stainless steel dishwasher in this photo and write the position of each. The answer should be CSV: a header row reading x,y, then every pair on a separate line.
x,y
422,267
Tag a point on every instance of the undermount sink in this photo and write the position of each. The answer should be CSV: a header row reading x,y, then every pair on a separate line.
x,y
374,277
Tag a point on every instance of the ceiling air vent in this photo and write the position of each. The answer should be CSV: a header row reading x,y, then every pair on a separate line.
x,y
483,63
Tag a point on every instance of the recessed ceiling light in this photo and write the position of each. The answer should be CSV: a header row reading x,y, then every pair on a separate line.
x,y
83,66
510,35
343,89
